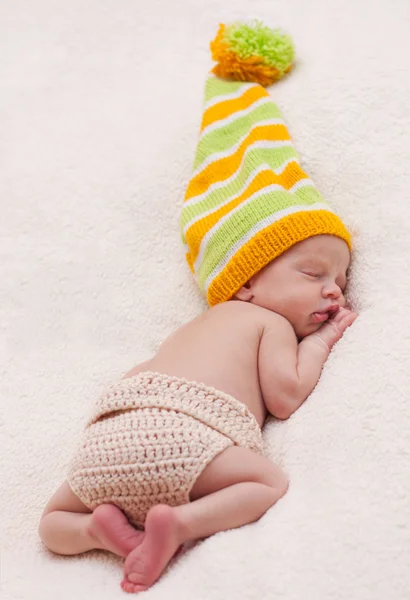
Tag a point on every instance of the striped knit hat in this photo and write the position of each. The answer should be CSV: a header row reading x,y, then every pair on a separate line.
x,y
248,200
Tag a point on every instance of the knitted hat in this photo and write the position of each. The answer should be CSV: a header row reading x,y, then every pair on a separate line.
x,y
248,200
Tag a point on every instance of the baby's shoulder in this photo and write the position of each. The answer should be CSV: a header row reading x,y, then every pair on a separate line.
x,y
236,310
247,314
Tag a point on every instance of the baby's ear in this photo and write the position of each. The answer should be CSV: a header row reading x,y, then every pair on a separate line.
x,y
245,293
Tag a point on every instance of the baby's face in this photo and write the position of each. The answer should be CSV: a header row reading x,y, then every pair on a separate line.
x,y
305,284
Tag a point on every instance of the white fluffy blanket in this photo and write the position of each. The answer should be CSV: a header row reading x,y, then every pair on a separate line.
x,y
101,103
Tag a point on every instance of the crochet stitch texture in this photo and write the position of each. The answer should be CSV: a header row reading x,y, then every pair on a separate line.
x,y
150,437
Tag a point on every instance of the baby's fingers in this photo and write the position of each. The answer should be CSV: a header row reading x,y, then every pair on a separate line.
x,y
347,319
338,316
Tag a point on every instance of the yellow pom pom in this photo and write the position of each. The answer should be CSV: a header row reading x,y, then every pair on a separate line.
x,y
237,58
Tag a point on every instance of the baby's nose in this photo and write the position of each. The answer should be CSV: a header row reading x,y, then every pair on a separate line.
x,y
332,290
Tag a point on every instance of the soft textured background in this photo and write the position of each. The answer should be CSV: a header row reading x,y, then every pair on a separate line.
x,y
100,105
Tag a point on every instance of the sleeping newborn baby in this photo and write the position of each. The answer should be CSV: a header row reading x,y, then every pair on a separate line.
x,y
184,458
173,451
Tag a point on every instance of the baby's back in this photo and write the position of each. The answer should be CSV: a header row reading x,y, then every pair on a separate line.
x,y
220,349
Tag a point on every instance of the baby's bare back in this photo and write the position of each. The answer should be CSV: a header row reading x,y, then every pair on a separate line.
x,y
220,349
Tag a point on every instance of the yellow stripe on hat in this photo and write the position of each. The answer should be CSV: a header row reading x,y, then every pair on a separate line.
x,y
287,179
223,168
225,108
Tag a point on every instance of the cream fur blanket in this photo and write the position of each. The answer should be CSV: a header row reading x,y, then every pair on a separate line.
x,y
100,108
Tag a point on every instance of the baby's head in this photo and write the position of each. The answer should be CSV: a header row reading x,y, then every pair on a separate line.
x,y
305,284
254,225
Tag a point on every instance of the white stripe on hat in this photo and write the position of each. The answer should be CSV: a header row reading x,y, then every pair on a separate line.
x,y
301,183
238,115
236,94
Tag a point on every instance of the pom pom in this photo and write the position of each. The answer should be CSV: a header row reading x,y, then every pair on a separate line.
x,y
252,52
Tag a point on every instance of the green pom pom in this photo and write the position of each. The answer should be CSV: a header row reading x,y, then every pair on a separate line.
x,y
275,47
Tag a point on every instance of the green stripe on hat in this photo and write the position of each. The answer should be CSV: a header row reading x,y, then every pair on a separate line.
x,y
230,134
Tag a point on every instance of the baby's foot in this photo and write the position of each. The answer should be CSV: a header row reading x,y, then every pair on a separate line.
x,y
162,538
111,530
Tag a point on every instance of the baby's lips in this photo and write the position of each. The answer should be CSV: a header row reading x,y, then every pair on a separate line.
x,y
333,310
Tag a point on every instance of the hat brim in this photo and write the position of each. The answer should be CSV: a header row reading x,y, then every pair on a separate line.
x,y
268,244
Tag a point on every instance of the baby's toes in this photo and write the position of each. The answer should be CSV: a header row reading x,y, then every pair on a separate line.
x,y
127,586
132,588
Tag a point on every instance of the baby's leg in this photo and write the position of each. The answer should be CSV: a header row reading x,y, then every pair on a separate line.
x,y
67,526
236,488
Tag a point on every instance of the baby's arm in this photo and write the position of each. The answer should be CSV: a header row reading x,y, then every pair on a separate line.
x,y
288,371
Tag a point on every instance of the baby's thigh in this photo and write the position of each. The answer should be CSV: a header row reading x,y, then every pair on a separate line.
x,y
65,499
238,465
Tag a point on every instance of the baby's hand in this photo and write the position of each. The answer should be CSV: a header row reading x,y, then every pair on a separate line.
x,y
334,328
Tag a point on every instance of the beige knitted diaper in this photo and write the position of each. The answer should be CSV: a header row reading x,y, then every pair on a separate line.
x,y
149,439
